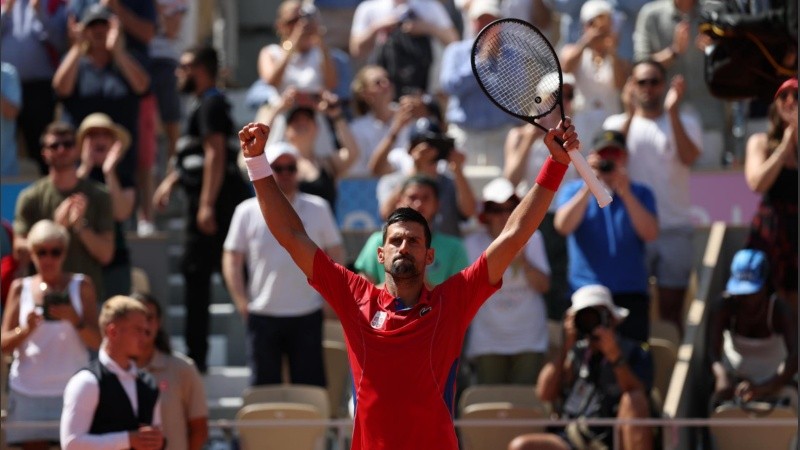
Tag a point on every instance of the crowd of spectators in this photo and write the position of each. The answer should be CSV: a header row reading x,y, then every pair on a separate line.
x,y
414,118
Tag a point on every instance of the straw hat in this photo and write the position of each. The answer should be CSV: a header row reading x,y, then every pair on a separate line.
x,y
102,121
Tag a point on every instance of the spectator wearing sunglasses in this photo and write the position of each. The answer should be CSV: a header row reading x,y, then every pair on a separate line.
x,y
282,313
50,324
82,206
663,143
771,170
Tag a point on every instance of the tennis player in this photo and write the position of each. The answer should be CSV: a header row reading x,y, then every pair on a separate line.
x,y
404,340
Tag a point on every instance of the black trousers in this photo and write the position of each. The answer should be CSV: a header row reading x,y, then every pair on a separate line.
x,y
269,338
38,110
201,258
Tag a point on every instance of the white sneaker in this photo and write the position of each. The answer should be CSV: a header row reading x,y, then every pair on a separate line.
x,y
145,228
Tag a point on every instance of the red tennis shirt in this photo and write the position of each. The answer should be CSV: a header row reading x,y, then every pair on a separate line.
x,y
404,361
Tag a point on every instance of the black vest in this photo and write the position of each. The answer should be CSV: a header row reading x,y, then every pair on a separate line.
x,y
114,411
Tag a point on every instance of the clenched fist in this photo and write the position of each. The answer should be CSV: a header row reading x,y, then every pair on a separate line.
x,y
253,139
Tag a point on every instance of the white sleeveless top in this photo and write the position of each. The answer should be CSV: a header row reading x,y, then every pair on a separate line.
x,y
304,70
52,353
598,96
756,359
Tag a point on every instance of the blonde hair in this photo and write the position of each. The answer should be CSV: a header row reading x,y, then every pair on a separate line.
x,y
46,230
117,308
359,85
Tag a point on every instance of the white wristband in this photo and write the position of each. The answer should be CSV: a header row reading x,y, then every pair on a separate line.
x,y
258,167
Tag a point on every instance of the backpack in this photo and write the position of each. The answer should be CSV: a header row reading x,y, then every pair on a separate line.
x,y
407,59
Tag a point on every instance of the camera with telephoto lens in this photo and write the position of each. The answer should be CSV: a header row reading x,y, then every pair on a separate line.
x,y
587,319
443,146
52,299
607,165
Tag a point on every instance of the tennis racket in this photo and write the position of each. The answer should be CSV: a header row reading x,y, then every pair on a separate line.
x,y
519,71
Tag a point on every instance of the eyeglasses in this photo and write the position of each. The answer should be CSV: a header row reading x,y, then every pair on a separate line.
x,y
64,144
652,82
290,168
54,252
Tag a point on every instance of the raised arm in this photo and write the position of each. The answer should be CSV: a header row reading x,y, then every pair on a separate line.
x,y
529,213
282,220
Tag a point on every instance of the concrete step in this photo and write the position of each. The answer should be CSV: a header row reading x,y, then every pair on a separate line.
x,y
224,387
226,335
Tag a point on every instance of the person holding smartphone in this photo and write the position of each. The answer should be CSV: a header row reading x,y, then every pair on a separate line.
x,y
50,324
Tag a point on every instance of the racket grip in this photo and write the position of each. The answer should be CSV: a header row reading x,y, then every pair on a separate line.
x,y
586,172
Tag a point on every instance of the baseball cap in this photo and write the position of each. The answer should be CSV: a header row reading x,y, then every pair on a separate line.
x,y
608,138
594,8
298,110
791,83
482,7
278,149
748,272
94,13
597,295
499,191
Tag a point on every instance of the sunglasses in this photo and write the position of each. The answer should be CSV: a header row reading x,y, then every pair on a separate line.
x,y
54,252
57,144
291,168
652,82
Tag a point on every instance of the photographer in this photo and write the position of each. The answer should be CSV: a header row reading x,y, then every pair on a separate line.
x,y
597,374
428,146
50,323
607,246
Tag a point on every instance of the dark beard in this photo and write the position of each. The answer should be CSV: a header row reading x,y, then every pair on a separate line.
x,y
403,269
188,86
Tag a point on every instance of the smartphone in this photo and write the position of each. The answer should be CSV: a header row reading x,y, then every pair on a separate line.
x,y
53,299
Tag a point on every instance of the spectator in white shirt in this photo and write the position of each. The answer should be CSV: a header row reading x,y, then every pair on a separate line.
x,y
111,404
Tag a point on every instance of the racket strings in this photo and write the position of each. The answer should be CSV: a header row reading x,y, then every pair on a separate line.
x,y
518,69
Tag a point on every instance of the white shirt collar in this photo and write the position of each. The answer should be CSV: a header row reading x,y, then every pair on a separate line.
x,y
112,365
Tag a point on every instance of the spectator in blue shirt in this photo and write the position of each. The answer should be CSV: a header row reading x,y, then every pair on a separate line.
x,y
10,104
607,245
479,127
34,35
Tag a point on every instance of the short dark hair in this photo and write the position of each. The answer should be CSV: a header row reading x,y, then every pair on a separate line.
x,y
424,180
57,128
652,62
206,57
162,343
406,214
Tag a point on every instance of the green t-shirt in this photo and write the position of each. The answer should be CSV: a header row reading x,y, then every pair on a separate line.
x,y
450,257
40,200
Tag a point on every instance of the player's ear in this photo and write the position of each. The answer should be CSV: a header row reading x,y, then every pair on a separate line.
x,y
380,255
429,254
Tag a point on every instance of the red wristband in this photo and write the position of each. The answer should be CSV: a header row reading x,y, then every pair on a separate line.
x,y
551,174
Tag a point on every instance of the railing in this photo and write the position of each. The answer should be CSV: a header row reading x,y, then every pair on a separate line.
x,y
343,426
